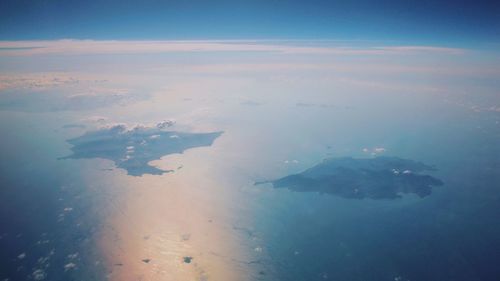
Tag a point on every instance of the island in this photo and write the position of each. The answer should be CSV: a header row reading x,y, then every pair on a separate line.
x,y
374,178
133,148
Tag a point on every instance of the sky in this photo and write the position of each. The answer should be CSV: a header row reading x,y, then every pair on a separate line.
x,y
448,22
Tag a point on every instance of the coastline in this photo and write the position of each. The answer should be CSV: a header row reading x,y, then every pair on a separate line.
x,y
161,220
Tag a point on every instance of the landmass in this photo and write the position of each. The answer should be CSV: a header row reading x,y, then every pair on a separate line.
x,y
375,178
132,149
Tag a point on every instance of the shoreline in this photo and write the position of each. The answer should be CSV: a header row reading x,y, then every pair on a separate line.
x,y
161,220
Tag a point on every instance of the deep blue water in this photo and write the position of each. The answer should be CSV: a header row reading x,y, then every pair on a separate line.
x,y
47,223
453,234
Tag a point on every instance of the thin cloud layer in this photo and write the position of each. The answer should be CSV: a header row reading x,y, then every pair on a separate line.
x,y
80,47
51,100
52,91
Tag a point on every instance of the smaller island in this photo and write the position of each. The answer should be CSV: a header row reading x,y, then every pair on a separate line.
x,y
374,178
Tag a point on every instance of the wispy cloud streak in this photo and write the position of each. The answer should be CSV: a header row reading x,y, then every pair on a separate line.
x,y
77,47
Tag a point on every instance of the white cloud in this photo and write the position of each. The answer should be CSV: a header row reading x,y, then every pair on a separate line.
x,y
38,274
374,151
135,127
69,266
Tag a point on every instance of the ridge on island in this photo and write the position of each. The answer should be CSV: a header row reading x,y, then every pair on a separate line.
x,y
375,178
132,149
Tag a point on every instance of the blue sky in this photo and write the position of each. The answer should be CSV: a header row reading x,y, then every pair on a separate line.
x,y
424,21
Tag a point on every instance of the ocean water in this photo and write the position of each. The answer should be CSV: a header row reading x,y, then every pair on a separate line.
x,y
48,216
449,235
85,218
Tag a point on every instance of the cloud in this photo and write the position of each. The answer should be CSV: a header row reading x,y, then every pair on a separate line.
x,y
36,81
101,91
374,151
423,49
136,127
165,124
55,91
38,274
79,47
42,94
69,266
